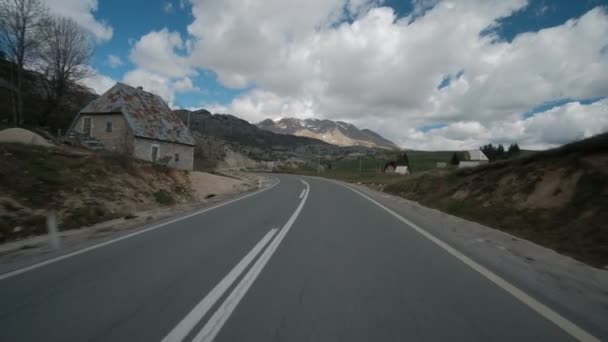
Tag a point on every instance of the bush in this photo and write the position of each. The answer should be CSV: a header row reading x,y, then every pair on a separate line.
x,y
164,197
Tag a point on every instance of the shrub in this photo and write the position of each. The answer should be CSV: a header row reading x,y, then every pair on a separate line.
x,y
164,197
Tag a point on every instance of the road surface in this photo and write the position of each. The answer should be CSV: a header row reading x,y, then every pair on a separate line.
x,y
305,260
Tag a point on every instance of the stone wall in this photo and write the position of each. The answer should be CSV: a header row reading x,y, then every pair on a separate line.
x,y
116,140
142,149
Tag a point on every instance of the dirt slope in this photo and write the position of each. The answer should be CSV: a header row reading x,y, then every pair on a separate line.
x,y
83,187
557,198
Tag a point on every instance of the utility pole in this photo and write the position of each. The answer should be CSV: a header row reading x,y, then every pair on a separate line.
x,y
359,166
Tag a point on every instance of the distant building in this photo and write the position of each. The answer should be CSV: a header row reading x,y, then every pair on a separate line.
x,y
130,120
474,158
402,170
442,165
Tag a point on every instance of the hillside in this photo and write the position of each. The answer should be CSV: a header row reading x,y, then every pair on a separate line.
x,y
84,188
332,132
224,140
557,198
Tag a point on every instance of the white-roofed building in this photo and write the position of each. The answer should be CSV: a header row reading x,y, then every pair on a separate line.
x,y
475,158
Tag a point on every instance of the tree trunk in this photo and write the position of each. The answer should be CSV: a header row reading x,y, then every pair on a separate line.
x,y
19,113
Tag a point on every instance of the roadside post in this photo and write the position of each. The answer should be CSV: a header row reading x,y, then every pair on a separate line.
x,y
51,224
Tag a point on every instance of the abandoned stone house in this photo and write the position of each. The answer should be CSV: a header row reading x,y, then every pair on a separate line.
x,y
130,120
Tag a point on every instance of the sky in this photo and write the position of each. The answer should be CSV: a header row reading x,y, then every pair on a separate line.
x,y
427,74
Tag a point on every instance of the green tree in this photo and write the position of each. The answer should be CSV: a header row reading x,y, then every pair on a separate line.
x,y
455,159
403,160
513,150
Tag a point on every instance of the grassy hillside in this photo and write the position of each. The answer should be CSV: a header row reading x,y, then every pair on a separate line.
x,y
557,198
84,188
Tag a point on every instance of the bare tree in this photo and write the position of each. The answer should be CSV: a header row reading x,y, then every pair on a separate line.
x,y
19,28
65,53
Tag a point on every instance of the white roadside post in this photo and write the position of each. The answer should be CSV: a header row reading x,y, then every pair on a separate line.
x,y
51,224
260,186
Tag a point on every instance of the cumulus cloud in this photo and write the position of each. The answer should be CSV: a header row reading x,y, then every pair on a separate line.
x,y
98,82
357,61
162,64
151,82
554,127
382,72
114,61
184,85
159,52
82,11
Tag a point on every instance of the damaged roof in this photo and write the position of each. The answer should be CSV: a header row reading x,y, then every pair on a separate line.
x,y
147,114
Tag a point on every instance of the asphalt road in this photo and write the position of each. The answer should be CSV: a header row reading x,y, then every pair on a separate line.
x,y
302,261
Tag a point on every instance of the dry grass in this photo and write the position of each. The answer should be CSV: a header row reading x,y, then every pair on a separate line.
x,y
556,198
84,188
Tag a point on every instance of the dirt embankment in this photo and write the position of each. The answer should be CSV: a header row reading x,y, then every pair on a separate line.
x,y
87,188
557,198
83,187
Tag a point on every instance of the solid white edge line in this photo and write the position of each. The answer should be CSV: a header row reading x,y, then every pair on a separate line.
x,y
198,312
563,323
221,315
302,193
124,237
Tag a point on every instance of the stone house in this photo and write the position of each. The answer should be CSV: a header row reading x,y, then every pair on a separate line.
x,y
130,120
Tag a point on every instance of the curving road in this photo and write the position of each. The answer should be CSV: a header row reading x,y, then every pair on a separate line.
x,y
305,260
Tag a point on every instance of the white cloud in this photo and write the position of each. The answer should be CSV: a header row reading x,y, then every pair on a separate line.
x,y
168,7
114,61
382,72
554,127
184,85
82,11
159,52
98,82
151,82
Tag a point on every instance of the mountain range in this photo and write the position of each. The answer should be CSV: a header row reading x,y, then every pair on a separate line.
x,y
332,132
220,136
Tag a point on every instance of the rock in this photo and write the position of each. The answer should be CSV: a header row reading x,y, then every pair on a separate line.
x,y
17,229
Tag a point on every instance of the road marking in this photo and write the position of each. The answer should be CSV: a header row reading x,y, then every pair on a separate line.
x,y
219,318
198,312
302,194
124,237
563,323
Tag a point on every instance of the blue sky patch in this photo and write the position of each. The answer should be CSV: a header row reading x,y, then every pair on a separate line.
x,y
540,14
558,103
427,128
447,80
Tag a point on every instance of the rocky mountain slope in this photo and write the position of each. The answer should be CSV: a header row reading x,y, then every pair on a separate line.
x,y
223,140
332,132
